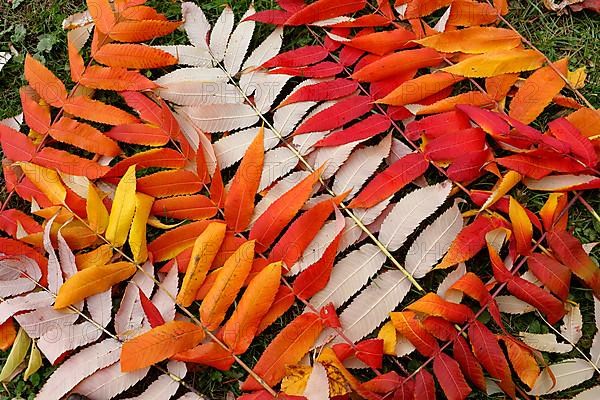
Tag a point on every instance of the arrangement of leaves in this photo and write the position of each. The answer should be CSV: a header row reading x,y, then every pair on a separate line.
x,y
340,176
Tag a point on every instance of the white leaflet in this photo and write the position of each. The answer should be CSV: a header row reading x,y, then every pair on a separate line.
x,y
590,394
12,284
30,301
56,342
371,306
78,184
231,148
557,183
43,319
109,382
196,25
4,58
595,349
410,211
443,21
13,122
353,233
278,162
219,36
161,299
572,324
304,143
239,43
202,93
164,387
403,346
55,277
287,117
360,166
192,134
545,342
67,258
511,305
349,275
278,190
192,76
78,367
188,55
268,49
77,20
567,374
454,296
190,396
397,151
317,386
100,307
333,157
130,314
433,243
213,118
266,88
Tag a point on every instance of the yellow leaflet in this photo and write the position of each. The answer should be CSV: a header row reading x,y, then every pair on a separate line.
x,y
123,209
577,78
96,211
137,235
388,334
17,354
156,223
35,362
497,63
295,379
504,186
47,180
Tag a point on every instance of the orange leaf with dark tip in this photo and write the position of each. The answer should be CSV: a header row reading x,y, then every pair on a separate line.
x,y
324,9
398,63
270,224
227,285
241,328
173,242
239,204
433,304
288,347
159,344
521,226
169,183
417,89
44,82
569,251
133,56
185,207
210,354
468,363
140,31
448,374
84,136
391,180
102,14
116,79
410,327
96,111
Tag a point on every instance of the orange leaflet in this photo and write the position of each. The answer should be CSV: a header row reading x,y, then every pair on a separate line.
x,y
44,82
163,157
473,98
388,182
173,242
205,249
117,79
288,347
586,120
47,181
422,8
417,89
96,111
8,334
324,9
239,204
432,304
470,13
36,116
92,280
159,344
521,226
185,207
473,40
537,92
210,354
140,31
15,145
76,63
169,183
552,213
133,56
301,232
270,224
102,14
462,353
448,374
227,285
569,251
410,327
498,86
522,360
84,136
490,355
241,328
382,43
398,63
69,163
284,299
98,256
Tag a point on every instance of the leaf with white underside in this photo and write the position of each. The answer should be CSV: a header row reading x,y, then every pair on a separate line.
x,y
433,243
109,382
239,43
454,296
590,394
231,148
196,25
214,118
572,324
545,342
333,158
278,162
317,386
163,302
165,386
198,86
188,55
566,374
353,233
219,36
595,349
511,305
11,281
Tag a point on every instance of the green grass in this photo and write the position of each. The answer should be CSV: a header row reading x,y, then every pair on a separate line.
x,y
34,26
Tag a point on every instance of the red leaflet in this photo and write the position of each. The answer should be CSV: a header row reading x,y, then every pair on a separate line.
x,y
537,297
275,17
437,125
96,111
291,245
581,146
84,136
468,363
568,250
140,31
370,352
117,79
469,166
337,115
152,313
298,58
388,182
490,355
554,275
384,383
324,9
521,226
147,109
325,69
397,63
291,5
44,82
329,316
12,218
270,224
410,327
185,207
367,128
539,163
210,354
369,20
12,247
143,134
450,378
385,86
489,121
432,304
36,116
322,91
239,204
451,145
169,183
479,197
15,145
163,158
424,385
440,328
173,242
382,43
69,163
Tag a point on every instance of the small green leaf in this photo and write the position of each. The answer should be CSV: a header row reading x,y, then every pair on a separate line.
x,y
16,356
35,362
